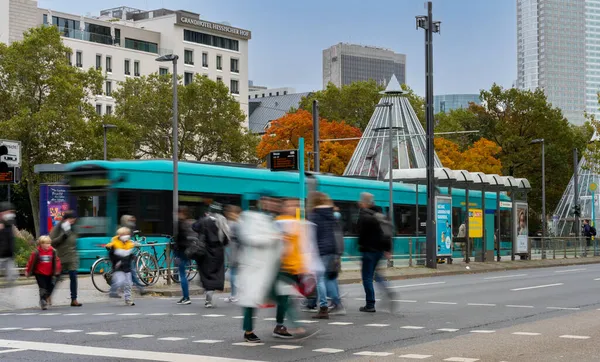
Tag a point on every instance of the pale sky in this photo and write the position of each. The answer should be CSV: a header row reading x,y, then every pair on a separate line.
x,y
476,47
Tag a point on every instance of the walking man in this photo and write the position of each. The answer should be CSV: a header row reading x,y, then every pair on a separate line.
x,y
7,242
373,246
64,240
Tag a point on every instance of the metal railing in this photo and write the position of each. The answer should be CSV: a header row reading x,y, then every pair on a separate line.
x,y
563,247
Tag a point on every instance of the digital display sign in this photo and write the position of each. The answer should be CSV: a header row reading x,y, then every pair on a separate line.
x,y
88,181
283,160
7,177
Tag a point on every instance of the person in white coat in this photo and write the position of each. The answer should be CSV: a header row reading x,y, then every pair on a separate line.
x,y
258,260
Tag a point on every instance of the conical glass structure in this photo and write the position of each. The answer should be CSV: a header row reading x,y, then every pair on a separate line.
x,y
565,225
371,158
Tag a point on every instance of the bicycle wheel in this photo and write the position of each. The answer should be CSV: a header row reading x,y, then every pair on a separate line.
x,y
147,269
101,273
191,270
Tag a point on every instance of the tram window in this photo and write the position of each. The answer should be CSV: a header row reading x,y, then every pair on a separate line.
x,y
91,214
404,218
155,211
505,225
253,205
349,211
198,203
422,219
457,219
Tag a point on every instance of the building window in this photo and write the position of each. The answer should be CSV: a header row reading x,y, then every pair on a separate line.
x,y
235,65
188,78
219,79
69,55
141,45
163,71
98,61
212,40
117,37
108,88
79,59
256,96
284,93
234,88
108,110
99,109
188,57
136,68
277,93
205,60
127,70
108,64
45,19
219,62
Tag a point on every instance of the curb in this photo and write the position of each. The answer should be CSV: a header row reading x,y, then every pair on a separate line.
x,y
177,293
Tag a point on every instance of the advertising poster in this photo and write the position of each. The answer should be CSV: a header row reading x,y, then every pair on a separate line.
x,y
475,223
444,225
54,202
521,227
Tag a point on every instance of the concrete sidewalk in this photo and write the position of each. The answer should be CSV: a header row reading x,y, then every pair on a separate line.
x,y
26,295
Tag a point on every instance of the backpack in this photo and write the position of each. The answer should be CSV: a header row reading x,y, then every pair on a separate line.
x,y
592,231
385,225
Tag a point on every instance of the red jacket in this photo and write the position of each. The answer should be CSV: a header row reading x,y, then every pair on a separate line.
x,y
42,259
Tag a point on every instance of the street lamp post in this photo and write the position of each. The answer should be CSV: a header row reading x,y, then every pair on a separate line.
x,y
430,27
541,140
391,158
173,58
106,127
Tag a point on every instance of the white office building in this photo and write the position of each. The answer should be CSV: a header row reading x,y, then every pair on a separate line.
x,y
124,42
257,91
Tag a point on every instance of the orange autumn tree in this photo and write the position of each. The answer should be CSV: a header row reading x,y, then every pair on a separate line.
x,y
479,157
284,133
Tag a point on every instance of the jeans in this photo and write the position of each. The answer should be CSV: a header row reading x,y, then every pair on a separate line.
x,y
183,262
8,266
232,275
327,287
73,284
123,280
368,271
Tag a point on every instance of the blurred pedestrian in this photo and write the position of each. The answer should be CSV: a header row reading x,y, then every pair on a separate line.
x,y
186,247
232,213
7,242
121,248
64,240
258,259
374,245
213,230
44,264
129,221
323,217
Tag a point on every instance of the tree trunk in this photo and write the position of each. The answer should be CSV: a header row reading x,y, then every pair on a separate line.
x,y
33,192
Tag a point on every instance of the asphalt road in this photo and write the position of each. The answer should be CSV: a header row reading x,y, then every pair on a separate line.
x,y
526,315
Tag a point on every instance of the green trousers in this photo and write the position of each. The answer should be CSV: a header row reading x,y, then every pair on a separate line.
x,y
284,306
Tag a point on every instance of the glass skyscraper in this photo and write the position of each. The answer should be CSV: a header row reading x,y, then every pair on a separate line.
x,y
447,102
555,42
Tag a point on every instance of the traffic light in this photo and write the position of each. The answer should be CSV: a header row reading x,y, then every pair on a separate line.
x,y
576,210
3,165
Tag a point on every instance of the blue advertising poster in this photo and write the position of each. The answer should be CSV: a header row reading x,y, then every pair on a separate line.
x,y
54,202
443,216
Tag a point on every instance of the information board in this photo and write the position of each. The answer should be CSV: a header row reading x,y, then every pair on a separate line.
x,y
54,202
521,228
475,223
443,214
286,160
8,176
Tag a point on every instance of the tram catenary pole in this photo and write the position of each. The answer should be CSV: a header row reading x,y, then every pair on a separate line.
x,y
430,27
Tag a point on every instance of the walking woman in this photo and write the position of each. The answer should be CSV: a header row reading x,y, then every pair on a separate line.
x,y
64,240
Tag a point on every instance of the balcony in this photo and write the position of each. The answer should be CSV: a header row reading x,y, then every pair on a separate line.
x,y
85,35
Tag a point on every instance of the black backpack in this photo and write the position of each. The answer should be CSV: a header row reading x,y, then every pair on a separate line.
x,y
592,231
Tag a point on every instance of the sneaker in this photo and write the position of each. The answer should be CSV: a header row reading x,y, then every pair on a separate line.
x,y
367,309
129,302
231,300
282,332
208,304
337,309
323,313
43,304
251,338
184,301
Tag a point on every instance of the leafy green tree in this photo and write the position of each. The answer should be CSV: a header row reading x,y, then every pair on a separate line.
x,y
45,104
512,118
210,119
456,120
